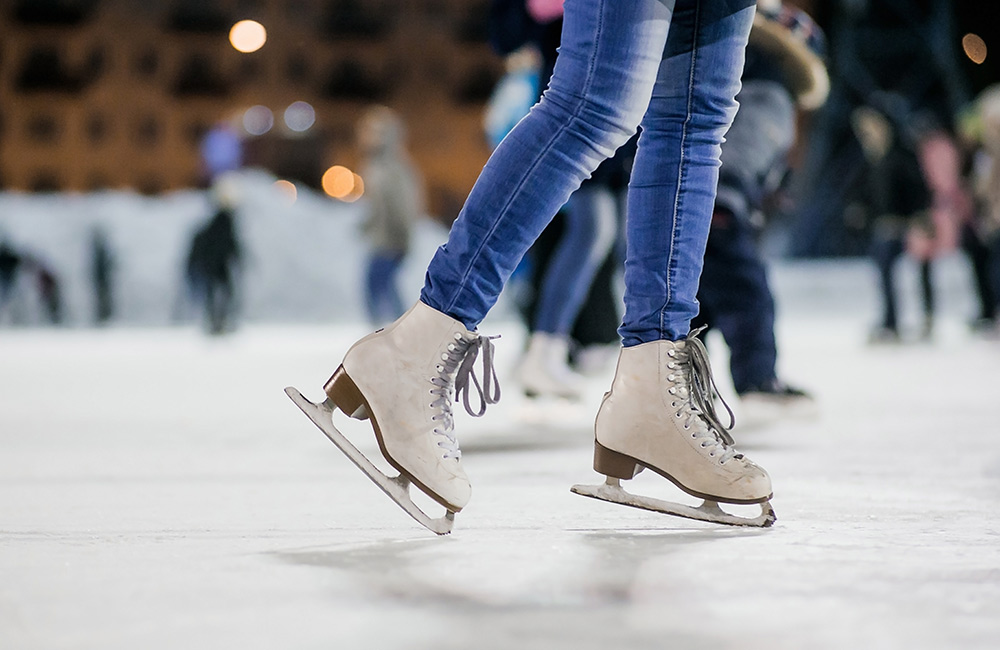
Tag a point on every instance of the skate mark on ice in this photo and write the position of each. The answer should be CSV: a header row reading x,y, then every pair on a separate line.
x,y
396,488
709,510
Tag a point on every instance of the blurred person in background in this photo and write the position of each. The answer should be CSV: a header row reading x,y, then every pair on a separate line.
x,y
394,200
900,199
10,262
214,259
953,214
102,266
987,180
784,71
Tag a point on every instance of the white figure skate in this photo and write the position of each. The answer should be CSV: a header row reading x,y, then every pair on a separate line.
x,y
660,414
545,370
402,380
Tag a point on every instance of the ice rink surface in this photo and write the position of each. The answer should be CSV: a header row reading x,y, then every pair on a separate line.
x,y
158,490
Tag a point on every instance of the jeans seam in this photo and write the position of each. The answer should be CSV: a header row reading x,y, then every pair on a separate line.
x,y
548,146
681,167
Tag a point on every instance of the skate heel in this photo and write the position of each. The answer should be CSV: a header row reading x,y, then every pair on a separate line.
x,y
613,464
345,395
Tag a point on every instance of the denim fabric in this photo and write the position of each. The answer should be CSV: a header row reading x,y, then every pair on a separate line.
x,y
381,296
589,233
617,66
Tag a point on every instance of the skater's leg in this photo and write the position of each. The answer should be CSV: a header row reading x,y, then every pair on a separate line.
x,y
607,64
588,235
979,255
734,286
885,252
660,411
676,170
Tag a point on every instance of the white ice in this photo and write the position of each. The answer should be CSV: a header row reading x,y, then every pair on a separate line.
x,y
158,490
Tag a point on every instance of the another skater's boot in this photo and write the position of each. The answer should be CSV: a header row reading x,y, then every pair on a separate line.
x,y
660,414
545,370
402,379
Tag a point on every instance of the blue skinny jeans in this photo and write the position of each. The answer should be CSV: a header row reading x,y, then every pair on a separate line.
x,y
672,65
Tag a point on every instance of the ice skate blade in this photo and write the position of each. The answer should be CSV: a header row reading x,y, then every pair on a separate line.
x,y
708,511
396,487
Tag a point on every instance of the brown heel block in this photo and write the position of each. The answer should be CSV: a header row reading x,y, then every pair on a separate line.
x,y
611,463
344,393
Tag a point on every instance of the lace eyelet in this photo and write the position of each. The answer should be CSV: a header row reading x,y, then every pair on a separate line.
x,y
678,414
673,405
687,427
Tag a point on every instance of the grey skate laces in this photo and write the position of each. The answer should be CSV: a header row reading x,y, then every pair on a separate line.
x,y
456,370
702,390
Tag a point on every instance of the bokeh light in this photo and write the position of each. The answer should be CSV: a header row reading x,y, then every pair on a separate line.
x,y
974,47
258,120
248,36
287,189
357,192
299,116
339,182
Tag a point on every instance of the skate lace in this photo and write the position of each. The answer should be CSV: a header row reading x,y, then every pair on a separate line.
x,y
454,372
694,391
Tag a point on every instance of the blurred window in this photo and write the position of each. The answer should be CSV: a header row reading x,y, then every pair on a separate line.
x,y
54,12
199,77
43,70
203,16
477,85
45,181
43,129
349,80
297,67
147,63
356,18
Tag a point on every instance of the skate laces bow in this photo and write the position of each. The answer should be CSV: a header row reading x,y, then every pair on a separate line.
x,y
489,391
703,390
457,369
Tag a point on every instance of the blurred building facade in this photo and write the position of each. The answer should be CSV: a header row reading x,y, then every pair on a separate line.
x,y
100,94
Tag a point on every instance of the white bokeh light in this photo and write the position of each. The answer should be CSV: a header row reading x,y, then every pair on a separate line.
x,y
258,120
299,116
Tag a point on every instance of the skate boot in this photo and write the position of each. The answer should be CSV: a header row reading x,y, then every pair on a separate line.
x,y
660,414
545,371
402,378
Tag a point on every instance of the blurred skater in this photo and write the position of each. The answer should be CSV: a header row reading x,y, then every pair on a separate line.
x,y
784,72
213,263
10,262
900,200
102,265
987,186
394,200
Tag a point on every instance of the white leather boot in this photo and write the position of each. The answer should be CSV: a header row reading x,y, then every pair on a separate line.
x,y
545,371
402,378
660,414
